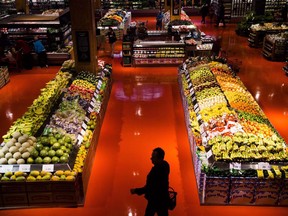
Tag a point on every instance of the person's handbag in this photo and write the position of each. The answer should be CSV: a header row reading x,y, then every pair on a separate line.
x,y
172,198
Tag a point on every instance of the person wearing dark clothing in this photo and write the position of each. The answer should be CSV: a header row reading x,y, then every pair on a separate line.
x,y
216,48
157,185
23,48
159,19
204,12
221,15
112,39
40,51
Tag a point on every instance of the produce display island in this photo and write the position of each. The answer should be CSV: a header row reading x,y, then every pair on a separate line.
x,y
259,31
47,154
275,47
117,19
239,158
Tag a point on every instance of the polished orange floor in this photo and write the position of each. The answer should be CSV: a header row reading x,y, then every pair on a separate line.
x,y
145,111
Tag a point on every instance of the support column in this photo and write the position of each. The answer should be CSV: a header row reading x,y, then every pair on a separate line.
x,y
97,4
84,34
22,6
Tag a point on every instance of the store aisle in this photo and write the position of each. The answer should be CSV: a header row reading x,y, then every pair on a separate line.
x,y
145,111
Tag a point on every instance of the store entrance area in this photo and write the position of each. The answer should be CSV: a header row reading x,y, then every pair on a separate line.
x,y
145,111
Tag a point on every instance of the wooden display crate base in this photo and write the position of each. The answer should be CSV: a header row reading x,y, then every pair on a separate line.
x,y
216,197
38,187
40,198
241,197
266,198
13,187
14,199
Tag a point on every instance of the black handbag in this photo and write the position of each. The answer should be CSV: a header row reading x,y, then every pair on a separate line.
x,y
172,198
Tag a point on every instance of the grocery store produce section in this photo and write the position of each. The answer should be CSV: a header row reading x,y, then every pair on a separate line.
x,y
47,154
239,158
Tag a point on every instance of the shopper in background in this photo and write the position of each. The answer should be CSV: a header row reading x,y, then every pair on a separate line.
x,y
159,19
41,52
23,48
216,48
204,12
112,39
157,185
221,15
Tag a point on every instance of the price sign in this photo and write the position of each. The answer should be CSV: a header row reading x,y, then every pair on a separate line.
x,y
82,132
48,167
6,168
192,93
209,154
95,94
196,106
193,98
198,117
202,128
93,104
264,166
98,85
84,125
236,166
90,109
80,138
189,85
197,110
87,119
93,100
24,167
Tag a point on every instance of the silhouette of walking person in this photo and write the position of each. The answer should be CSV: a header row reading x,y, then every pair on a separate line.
x,y
157,185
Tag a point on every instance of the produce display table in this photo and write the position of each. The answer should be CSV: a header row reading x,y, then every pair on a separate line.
x,y
258,32
158,53
117,19
233,144
275,46
53,168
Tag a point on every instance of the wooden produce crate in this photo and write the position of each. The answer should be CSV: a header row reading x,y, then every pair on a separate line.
x,y
283,199
240,183
38,186
217,183
40,198
216,197
266,198
272,185
241,197
15,199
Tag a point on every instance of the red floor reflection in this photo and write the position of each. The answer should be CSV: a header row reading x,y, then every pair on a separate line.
x,y
145,111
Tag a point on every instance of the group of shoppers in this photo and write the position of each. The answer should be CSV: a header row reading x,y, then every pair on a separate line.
x,y
20,52
211,10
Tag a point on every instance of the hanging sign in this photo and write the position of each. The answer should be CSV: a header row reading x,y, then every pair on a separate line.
x,y
176,7
83,46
